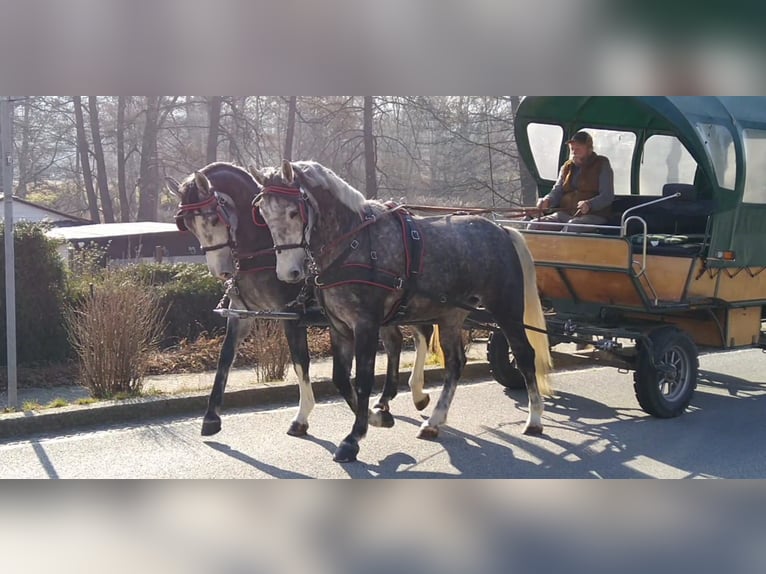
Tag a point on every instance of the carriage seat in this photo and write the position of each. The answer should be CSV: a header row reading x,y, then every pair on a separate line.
x,y
676,227
687,214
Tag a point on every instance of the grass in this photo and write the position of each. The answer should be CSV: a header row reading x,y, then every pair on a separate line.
x,y
85,401
57,403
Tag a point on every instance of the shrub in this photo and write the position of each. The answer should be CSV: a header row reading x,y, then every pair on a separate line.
x,y
268,345
40,291
113,330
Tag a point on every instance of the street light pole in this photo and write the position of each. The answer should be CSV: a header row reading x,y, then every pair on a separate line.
x,y
6,162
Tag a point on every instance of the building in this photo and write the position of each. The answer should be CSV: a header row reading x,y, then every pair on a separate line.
x,y
135,242
24,210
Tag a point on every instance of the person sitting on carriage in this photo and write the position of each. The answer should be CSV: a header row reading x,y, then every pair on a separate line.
x,y
584,191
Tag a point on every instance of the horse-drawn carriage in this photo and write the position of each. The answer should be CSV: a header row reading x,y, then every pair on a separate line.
x,y
682,264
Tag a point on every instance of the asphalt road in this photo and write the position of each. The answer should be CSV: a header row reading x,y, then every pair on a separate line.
x,y
594,429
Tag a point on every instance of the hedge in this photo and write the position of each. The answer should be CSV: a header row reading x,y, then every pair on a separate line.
x,y
40,292
44,287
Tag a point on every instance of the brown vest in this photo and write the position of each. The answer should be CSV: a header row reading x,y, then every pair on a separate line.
x,y
587,184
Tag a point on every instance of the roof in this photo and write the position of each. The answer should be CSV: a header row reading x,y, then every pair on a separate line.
x,y
45,208
106,230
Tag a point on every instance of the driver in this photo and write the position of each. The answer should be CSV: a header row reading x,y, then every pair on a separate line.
x,y
584,191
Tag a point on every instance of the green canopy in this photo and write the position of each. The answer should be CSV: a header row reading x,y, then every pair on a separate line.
x,y
737,226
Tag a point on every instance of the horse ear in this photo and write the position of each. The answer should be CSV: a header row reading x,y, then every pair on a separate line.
x,y
203,183
257,175
172,185
287,171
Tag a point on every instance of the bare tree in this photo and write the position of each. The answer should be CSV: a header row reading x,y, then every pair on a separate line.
x,y
98,152
84,153
292,109
149,176
122,186
370,153
214,121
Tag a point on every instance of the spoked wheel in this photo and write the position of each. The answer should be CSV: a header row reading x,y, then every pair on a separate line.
x,y
502,363
666,372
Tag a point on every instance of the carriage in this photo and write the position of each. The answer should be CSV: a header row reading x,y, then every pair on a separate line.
x,y
681,265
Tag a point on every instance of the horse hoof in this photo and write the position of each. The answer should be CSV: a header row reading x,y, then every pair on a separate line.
x,y
428,433
211,427
346,452
386,420
298,429
423,403
533,430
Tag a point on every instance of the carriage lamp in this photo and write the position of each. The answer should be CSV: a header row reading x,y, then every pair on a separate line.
x,y
726,255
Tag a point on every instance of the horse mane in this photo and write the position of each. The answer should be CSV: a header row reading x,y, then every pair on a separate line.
x,y
316,175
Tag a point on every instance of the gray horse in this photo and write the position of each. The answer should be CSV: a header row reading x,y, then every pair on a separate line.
x,y
215,205
374,263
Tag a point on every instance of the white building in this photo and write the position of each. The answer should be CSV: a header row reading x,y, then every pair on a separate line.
x,y
24,210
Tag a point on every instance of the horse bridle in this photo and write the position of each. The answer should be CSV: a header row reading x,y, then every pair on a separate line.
x,y
213,205
296,195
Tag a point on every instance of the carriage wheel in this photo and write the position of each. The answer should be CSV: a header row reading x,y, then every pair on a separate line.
x,y
502,363
664,386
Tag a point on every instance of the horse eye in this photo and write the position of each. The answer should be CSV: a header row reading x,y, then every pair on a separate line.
x,y
293,214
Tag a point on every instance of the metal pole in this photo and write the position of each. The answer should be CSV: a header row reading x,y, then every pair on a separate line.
x,y
6,159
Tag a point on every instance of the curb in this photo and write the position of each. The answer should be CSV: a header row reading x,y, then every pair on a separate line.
x,y
20,425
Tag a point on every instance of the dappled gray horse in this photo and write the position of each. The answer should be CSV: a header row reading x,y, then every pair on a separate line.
x,y
374,263
216,207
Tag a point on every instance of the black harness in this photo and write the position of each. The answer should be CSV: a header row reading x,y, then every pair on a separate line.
x,y
337,272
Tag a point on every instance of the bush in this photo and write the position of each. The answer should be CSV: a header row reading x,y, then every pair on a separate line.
x,y
267,343
113,330
186,291
40,292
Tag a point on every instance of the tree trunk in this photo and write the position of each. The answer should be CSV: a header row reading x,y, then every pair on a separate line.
x,y
292,109
83,152
21,188
122,184
149,184
370,153
98,151
214,120
528,184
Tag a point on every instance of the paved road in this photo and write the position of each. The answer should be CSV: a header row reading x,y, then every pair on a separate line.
x,y
594,428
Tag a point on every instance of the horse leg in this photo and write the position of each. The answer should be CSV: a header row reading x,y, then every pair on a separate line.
x,y
392,342
365,347
236,330
299,353
454,359
422,334
525,359
342,357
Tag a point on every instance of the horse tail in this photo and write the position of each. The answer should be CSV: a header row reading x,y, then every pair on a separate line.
x,y
435,347
533,314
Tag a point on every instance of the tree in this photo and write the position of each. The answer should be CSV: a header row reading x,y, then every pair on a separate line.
x,y
98,152
292,109
122,186
84,154
214,122
149,175
370,153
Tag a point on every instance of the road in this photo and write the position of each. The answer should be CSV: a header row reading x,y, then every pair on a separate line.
x,y
594,429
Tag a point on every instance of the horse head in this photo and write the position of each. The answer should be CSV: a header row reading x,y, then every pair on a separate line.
x,y
211,216
290,213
